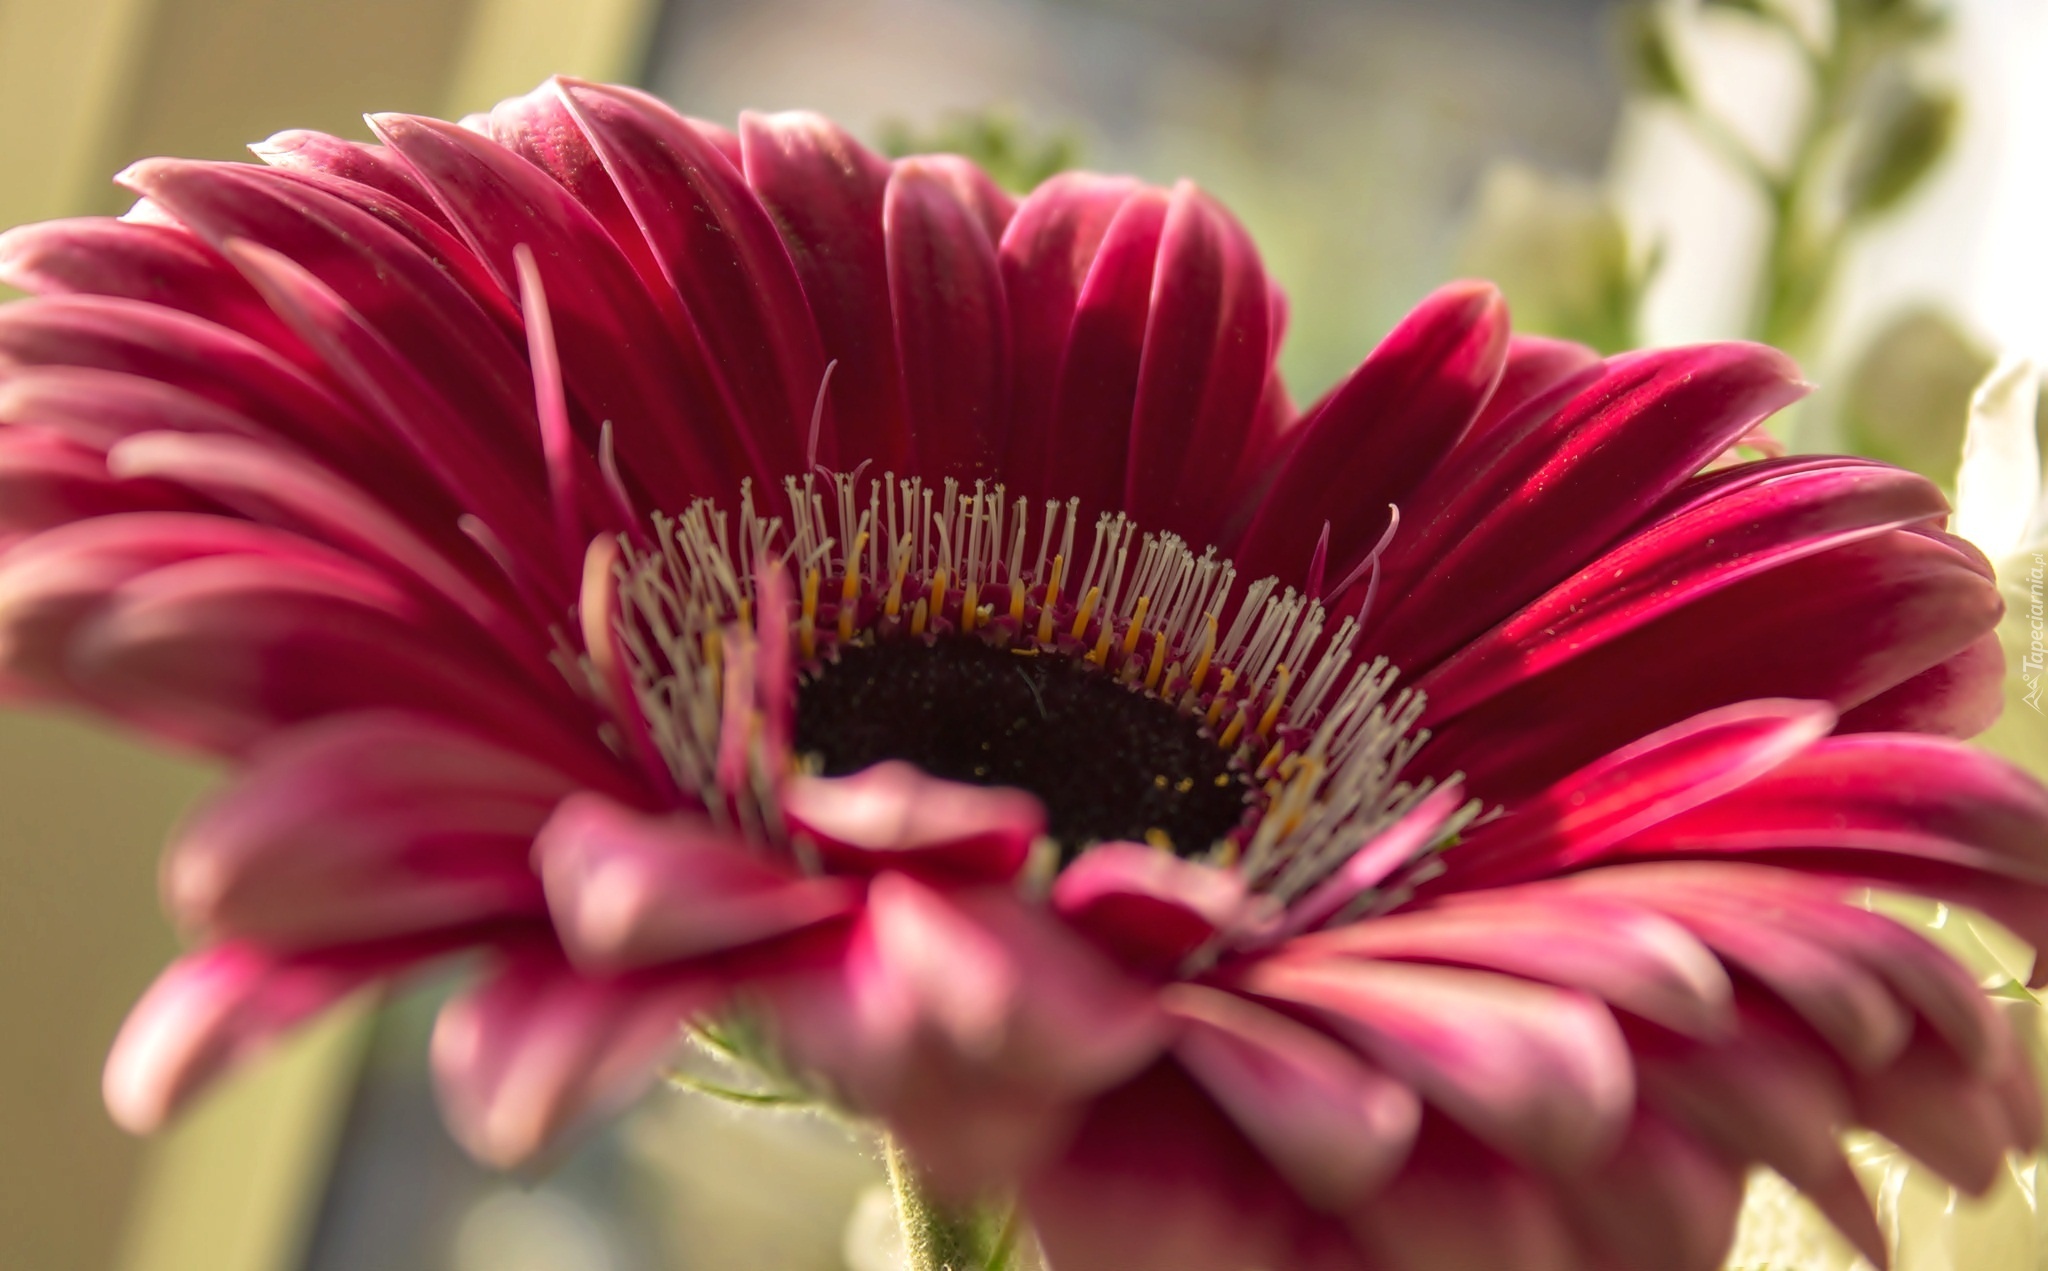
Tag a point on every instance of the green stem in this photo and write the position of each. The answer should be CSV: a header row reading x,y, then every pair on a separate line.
x,y
937,1237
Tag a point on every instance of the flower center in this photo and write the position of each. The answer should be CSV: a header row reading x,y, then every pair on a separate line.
x,y
1107,761
1130,686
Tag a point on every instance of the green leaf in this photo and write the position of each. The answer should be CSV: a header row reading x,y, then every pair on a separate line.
x,y
1907,132
1647,53
1908,398
994,139
1558,250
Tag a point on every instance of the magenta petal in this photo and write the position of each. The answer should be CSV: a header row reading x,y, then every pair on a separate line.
x,y
1046,253
1631,957
299,150
725,261
211,1010
161,265
1542,1073
825,191
1206,361
1085,452
1931,1105
630,890
1660,776
362,827
1151,908
1868,802
1673,562
1539,376
1567,488
1157,1180
894,817
1662,1202
1335,1126
523,1059
952,325
1459,1207
1380,432
1959,697
627,358
1923,595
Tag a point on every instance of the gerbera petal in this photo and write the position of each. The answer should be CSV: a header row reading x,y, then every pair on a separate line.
x,y
301,150
1662,1202
1334,1125
363,827
1860,801
624,359
1673,562
98,408
1658,777
1568,487
1084,453
211,1010
629,890
1959,697
976,190
198,357
1151,908
1158,1148
222,650
826,193
951,322
1046,253
894,817
157,264
1629,956
1380,432
523,1059
1205,364
48,480
1539,375
1540,1072
1926,600
1459,1207
1930,1104
726,261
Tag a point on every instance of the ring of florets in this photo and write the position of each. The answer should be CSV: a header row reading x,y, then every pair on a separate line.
x,y
1306,737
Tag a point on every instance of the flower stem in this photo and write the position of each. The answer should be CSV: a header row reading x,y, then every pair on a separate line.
x,y
938,1237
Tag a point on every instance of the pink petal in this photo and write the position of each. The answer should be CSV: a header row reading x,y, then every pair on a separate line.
x,y
299,150
1539,376
725,260
1662,1202
825,192
1930,1105
1672,563
536,1051
894,817
1634,788
1334,1125
628,890
1923,596
1206,361
1540,1072
951,322
157,264
626,358
1959,697
1631,957
1150,908
212,1010
1376,435
1458,1207
98,408
1566,489
1157,1180
1046,253
1085,452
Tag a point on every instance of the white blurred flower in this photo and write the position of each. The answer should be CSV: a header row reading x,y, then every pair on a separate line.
x,y
1998,484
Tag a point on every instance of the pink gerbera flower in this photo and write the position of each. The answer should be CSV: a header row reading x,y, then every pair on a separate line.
x,y
740,577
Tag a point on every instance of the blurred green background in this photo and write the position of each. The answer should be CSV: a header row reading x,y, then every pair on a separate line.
x,y
1858,181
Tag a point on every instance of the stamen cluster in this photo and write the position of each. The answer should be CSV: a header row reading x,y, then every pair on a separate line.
x,y
1320,734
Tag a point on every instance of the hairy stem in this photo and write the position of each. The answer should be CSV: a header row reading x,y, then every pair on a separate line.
x,y
936,1236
